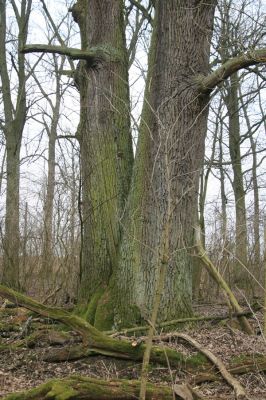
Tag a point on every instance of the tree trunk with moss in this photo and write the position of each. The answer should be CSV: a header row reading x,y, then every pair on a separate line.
x,y
174,121
105,142
119,271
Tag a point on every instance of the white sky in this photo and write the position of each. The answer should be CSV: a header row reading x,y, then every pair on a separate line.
x,y
33,170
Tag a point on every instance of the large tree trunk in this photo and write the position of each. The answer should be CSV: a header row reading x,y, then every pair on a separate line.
x,y
168,163
105,141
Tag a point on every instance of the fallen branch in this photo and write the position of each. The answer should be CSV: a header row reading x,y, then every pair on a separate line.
x,y
97,342
78,388
182,321
236,385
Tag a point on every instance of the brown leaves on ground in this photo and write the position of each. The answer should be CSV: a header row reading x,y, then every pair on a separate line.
x,y
23,368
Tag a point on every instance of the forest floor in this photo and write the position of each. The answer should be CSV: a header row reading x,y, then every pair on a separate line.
x,y
23,368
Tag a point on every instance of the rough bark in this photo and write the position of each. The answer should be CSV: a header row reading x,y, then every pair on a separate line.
x,y
106,149
174,124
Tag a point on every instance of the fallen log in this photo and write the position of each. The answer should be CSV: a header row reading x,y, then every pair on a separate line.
x,y
80,388
97,342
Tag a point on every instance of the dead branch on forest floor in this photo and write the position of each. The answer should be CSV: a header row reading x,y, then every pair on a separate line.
x,y
203,318
236,385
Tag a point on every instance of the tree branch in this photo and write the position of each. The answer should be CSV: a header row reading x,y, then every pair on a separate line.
x,y
91,56
145,11
252,57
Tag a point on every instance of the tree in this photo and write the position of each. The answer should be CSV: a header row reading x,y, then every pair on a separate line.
x,y
240,31
120,271
13,125
105,141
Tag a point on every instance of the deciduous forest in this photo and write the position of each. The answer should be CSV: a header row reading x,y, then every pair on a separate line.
x,y
133,199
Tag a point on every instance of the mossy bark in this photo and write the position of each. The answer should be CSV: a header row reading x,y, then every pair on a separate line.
x,y
172,134
76,387
105,142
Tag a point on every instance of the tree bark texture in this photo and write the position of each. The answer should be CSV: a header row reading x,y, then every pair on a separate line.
x,y
105,140
171,138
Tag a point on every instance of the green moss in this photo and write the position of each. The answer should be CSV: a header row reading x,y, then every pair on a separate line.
x,y
198,359
92,307
62,391
104,315
36,393
9,327
132,317
8,347
245,358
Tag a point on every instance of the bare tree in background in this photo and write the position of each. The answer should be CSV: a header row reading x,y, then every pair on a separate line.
x,y
15,112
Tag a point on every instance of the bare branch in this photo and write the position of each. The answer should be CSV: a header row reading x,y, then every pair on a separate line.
x,y
208,83
91,56
56,30
145,11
